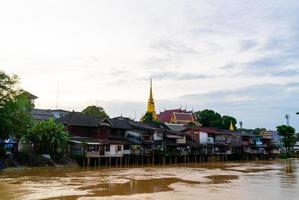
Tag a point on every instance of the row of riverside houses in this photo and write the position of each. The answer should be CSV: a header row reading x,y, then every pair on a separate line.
x,y
122,141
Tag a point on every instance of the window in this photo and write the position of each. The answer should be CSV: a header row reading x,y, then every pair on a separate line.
x,y
126,147
107,148
119,148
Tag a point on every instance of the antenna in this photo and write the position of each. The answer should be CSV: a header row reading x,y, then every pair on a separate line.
x,y
57,94
287,116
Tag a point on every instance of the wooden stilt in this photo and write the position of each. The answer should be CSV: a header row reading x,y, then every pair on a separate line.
x,y
88,162
153,159
83,162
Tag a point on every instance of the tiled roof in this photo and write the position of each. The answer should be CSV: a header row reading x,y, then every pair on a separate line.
x,y
40,114
30,96
206,129
166,115
120,123
183,116
59,110
79,119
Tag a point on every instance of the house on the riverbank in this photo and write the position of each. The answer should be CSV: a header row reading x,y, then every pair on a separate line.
x,y
121,140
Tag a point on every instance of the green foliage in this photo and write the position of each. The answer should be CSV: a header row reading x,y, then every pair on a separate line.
x,y
148,118
19,116
210,118
288,136
47,137
95,111
15,106
258,131
206,117
227,120
8,87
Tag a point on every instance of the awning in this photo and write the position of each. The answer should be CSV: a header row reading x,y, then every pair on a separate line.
x,y
89,143
174,136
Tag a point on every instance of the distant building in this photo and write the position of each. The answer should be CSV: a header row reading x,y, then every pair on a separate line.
x,y
271,135
296,147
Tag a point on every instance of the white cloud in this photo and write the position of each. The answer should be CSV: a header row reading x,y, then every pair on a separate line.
x,y
107,50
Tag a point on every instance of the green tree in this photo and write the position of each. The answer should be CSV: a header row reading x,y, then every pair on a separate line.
x,y
208,118
47,137
211,118
8,88
258,131
288,136
19,117
148,118
227,120
95,111
15,108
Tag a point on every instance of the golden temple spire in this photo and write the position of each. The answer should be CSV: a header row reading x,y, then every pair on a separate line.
x,y
151,104
151,91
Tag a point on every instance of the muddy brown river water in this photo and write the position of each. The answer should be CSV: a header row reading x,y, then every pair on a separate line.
x,y
275,180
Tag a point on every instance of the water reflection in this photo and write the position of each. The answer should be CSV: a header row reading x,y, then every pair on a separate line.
x,y
289,176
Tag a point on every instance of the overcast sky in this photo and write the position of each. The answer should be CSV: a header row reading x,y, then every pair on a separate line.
x,y
238,57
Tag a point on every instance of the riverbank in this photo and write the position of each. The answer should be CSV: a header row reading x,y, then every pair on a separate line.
x,y
24,160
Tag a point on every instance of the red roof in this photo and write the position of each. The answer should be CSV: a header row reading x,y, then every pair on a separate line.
x,y
166,115
183,116
209,130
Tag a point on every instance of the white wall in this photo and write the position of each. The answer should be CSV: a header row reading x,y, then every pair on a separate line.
x,y
203,138
158,136
113,150
182,140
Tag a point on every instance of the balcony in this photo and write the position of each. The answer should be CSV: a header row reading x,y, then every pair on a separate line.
x,y
114,154
93,154
275,151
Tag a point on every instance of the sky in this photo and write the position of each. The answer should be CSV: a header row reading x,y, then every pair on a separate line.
x,y
237,57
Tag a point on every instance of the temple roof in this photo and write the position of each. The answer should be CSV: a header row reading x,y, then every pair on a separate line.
x,y
165,116
180,116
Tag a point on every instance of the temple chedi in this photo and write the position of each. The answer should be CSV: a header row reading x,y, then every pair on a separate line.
x,y
151,104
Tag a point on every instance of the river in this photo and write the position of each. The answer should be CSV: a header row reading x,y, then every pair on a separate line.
x,y
273,180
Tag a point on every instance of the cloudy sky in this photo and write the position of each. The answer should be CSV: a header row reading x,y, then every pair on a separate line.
x,y
238,57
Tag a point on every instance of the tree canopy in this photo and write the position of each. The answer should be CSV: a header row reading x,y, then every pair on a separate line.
x,y
15,108
18,113
95,111
148,118
47,137
8,87
288,136
210,118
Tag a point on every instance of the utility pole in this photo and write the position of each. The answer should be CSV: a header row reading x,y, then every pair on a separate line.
x,y
241,124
